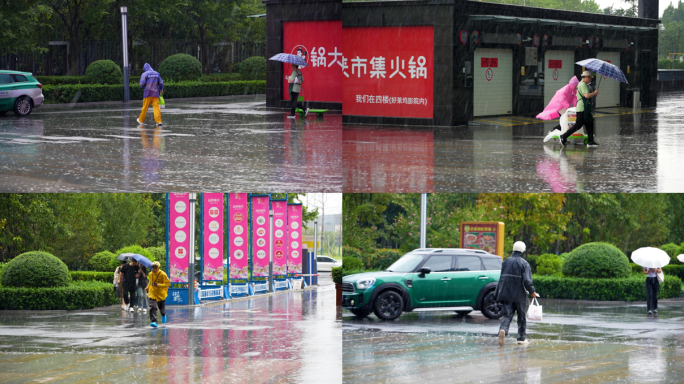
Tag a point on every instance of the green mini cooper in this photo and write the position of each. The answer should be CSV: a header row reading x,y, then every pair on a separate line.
x,y
428,279
19,92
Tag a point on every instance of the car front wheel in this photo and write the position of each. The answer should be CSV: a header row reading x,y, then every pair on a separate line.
x,y
490,307
388,305
23,106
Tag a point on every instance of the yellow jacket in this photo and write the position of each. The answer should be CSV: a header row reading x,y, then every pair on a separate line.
x,y
163,283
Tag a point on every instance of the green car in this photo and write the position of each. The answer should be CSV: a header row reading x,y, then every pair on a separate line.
x,y
428,279
19,92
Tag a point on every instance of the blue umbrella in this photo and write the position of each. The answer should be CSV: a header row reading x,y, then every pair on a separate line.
x,y
289,58
603,68
139,258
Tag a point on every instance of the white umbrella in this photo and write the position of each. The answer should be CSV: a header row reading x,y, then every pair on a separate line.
x,y
681,257
649,257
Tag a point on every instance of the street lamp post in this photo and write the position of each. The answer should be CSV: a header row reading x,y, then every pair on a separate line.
x,y
315,249
124,37
270,251
423,215
191,251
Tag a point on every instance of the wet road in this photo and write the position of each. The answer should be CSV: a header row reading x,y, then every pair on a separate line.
x,y
231,143
638,152
285,338
578,342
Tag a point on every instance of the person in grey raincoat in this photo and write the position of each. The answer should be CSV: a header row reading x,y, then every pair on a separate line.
x,y
512,290
153,86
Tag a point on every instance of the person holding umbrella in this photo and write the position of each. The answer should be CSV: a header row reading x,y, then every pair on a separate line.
x,y
583,109
129,272
652,260
296,79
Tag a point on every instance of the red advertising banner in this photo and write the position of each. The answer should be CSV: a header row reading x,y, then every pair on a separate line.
x,y
556,64
213,236
260,207
320,43
294,229
179,240
492,62
238,235
279,237
388,71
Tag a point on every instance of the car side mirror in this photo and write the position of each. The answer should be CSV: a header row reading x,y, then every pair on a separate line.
x,y
424,271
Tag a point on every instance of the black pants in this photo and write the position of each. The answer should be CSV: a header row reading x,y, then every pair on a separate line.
x,y
294,97
129,290
509,309
154,304
588,127
652,288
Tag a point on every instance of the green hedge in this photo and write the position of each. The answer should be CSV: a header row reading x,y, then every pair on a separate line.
x,y
339,272
54,80
63,80
596,260
78,295
104,72
60,94
105,277
549,264
101,261
252,67
35,269
668,270
180,67
349,262
214,77
614,289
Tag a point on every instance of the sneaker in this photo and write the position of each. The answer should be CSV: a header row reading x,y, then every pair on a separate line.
x,y
650,312
144,310
523,342
132,309
592,144
655,311
159,124
290,117
140,309
153,324
126,307
502,337
138,120
307,110
563,141
164,319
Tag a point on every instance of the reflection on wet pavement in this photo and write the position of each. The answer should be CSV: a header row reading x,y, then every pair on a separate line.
x,y
578,342
226,144
289,337
640,151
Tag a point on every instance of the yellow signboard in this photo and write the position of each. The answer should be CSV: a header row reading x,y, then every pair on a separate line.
x,y
484,235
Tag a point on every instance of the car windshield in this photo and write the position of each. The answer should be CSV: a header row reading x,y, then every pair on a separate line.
x,y
407,263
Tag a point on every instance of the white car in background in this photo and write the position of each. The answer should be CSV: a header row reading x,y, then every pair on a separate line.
x,y
326,263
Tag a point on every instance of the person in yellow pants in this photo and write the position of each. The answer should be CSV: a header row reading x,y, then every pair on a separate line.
x,y
153,86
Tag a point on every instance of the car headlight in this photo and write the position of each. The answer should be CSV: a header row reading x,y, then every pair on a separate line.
x,y
365,283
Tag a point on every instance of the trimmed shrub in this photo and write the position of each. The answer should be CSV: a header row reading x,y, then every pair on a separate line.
x,y
549,264
672,250
35,269
636,268
596,260
105,277
348,251
180,67
77,295
136,249
82,93
252,67
221,77
53,80
673,270
349,262
2,267
382,259
159,254
103,72
101,261
532,261
337,274
629,289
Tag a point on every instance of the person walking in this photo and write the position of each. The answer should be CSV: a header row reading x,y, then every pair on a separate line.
x,y
140,290
296,79
129,272
153,86
118,286
157,289
652,288
585,97
514,284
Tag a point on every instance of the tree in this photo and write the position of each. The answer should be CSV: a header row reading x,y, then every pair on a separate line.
x,y
631,11
127,218
20,23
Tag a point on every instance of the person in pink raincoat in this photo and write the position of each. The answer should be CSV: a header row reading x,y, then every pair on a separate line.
x,y
563,99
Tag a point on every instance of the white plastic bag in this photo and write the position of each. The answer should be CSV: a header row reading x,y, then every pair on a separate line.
x,y
534,313
661,277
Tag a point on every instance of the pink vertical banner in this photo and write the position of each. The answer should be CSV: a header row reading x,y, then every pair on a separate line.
x,y
279,237
260,207
294,229
213,236
238,206
179,237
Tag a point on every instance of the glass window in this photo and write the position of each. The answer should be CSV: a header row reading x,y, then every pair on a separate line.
x,y
441,263
324,259
492,264
19,78
407,263
5,78
469,263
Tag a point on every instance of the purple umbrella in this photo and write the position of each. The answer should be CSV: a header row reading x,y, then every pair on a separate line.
x,y
289,58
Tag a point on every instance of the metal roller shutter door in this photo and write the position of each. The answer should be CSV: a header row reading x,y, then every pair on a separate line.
x,y
556,78
493,92
609,90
